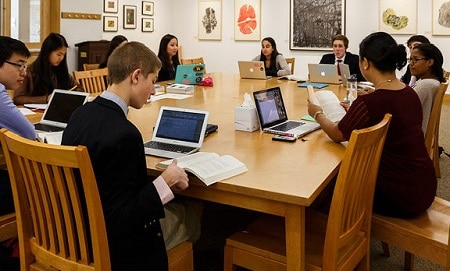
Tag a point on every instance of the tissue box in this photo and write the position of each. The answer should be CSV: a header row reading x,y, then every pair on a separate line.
x,y
245,119
180,88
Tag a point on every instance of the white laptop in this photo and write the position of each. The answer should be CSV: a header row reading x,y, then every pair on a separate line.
x,y
252,70
273,117
59,109
178,132
323,73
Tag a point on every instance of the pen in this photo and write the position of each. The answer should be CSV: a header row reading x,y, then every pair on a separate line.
x,y
74,87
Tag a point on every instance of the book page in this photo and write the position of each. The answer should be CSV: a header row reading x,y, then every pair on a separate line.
x,y
330,105
54,138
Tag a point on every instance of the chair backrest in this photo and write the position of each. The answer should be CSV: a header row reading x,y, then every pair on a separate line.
x,y
93,81
88,67
59,215
198,60
291,62
432,133
351,207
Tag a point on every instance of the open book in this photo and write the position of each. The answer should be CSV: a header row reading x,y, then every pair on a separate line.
x,y
208,167
329,102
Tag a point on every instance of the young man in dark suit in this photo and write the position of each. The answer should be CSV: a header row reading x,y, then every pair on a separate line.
x,y
340,55
132,204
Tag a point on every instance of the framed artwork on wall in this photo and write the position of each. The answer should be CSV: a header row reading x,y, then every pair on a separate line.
x,y
313,24
247,20
148,8
111,6
110,23
148,25
210,19
129,17
398,17
441,18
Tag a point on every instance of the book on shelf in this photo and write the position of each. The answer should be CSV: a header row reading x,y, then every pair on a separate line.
x,y
329,102
208,167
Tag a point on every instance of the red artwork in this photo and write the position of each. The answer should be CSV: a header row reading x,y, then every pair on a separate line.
x,y
247,19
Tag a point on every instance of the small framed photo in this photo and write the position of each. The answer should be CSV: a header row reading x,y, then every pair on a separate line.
x,y
129,17
110,6
148,25
110,23
148,8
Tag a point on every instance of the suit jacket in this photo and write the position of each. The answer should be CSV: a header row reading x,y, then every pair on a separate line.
x,y
131,204
350,59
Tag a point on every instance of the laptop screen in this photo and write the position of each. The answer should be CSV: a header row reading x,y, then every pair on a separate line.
x,y
62,105
270,106
181,125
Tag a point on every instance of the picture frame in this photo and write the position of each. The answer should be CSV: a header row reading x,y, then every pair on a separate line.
x,y
398,17
441,25
110,23
110,6
210,19
148,8
312,26
148,25
247,20
129,17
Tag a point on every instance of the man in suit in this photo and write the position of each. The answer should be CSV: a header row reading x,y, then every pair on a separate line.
x,y
340,55
132,204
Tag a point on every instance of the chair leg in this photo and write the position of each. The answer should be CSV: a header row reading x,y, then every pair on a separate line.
x,y
409,261
228,259
386,250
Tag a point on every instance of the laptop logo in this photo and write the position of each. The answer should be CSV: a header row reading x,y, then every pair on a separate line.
x,y
322,73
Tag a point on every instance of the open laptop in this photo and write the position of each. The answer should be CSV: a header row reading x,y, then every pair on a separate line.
x,y
191,74
178,132
345,73
59,109
323,73
252,70
273,116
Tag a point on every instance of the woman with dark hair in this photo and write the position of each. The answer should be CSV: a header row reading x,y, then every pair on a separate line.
x,y
425,64
274,62
48,72
168,54
406,181
116,41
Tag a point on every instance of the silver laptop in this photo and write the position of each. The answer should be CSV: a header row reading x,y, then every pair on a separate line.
x,y
323,73
59,109
345,73
252,70
178,132
273,117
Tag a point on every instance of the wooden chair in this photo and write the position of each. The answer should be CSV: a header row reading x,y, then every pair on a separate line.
x,y
181,257
291,62
60,220
198,60
339,242
93,81
8,227
88,67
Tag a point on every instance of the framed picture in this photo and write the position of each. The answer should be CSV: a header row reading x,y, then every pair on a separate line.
x,y
148,8
129,16
148,25
398,17
247,20
110,23
441,20
111,6
313,24
210,19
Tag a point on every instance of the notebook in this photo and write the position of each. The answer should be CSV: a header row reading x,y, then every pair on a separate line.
x,y
178,132
323,73
59,109
314,85
273,116
252,70
191,74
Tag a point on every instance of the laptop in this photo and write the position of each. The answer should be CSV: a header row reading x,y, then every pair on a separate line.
x,y
178,132
345,73
59,109
252,70
273,117
323,73
191,74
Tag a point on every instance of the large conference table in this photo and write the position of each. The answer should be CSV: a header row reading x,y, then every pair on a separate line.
x,y
283,178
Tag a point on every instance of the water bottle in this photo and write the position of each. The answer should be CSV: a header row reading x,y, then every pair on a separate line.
x,y
352,88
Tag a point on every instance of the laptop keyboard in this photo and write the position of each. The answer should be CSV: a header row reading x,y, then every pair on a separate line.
x,y
168,147
47,128
287,126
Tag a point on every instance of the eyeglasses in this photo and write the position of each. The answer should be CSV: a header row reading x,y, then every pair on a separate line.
x,y
413,60
21,68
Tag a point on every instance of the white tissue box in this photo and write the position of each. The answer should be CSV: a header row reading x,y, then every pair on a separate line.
x,y
246,119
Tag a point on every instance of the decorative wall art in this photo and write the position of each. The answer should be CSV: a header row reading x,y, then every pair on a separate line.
x,y
148,25
398,17
110,23
247,20
148,8
209,19
111,6
441,17
313,23
129,17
